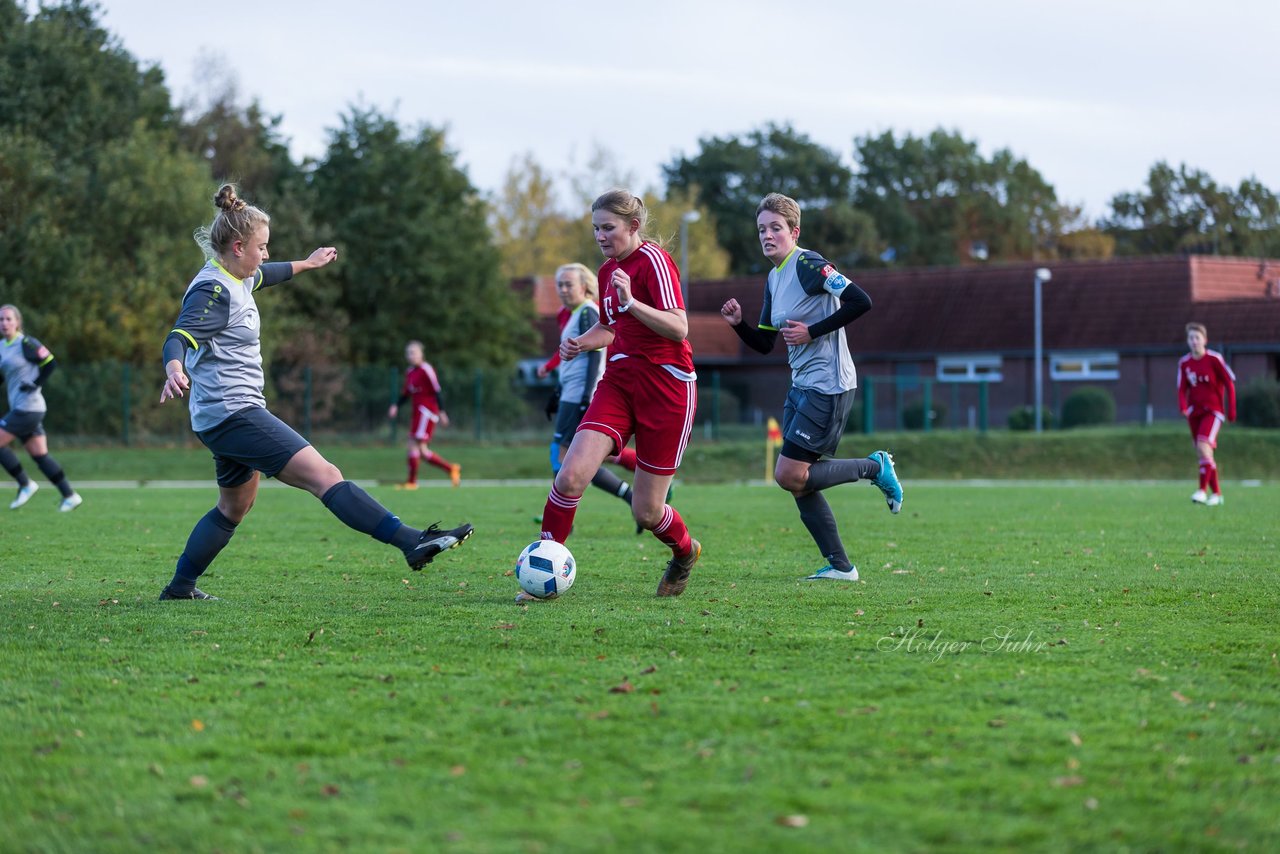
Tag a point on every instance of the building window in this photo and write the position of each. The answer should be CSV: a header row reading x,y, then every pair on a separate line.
x,y
1084,366
969,369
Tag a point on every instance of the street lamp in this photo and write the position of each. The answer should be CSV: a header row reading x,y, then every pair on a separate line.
x,y
686,218
1042,275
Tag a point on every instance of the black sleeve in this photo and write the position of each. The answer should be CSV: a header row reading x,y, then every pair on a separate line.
x,y
205,312
46,369
402,399
37,354
273,273
587,319
760,340
593,375
854,303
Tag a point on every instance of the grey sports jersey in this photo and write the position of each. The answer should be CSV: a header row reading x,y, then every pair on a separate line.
x,y
805,287
219,321
579,376
20,359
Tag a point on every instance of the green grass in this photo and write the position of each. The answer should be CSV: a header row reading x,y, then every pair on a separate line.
x,y
1160,452
336,701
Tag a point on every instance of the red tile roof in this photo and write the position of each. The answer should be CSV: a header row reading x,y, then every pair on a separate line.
x,y
1116,304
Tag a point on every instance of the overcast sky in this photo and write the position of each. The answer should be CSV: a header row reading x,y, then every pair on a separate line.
x,y
1090,92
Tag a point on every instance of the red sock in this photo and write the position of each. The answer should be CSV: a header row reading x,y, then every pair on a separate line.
x,y
626,459
1204,474
413,467
438,461
557,516
673,532
1213,479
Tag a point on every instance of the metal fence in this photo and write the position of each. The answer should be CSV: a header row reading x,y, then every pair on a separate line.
x,y
111,402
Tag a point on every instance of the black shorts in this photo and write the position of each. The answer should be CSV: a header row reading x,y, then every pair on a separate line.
x,y
813,423
248,440
23,425
568,417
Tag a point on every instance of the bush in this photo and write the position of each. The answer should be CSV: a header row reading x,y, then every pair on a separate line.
x,y
1259,403
1024,418
1088,405
913,415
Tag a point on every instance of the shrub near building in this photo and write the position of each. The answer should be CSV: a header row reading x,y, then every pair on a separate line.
x,y
1259,403
1088,406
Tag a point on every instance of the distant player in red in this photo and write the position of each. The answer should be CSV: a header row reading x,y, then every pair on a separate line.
x,y
1207,396
648,390
423,388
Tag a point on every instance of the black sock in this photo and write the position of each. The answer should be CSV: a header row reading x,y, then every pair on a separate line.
x,y
358,510
825,473
53,471
9,460
612,484
210,535
816,515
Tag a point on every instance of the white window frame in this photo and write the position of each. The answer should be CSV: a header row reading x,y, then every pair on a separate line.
x,y
1093,365
977,367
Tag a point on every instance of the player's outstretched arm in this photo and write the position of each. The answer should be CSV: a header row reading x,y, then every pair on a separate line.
x,y
322,257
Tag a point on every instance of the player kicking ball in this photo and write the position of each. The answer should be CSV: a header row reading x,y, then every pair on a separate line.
x,y
810,303
213,356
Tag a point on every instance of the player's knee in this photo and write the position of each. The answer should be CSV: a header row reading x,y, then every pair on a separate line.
x,y
791,481
646,517
235,510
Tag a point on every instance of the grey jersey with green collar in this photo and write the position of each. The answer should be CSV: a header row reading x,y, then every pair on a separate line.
x,y
807,288
20,360
220,325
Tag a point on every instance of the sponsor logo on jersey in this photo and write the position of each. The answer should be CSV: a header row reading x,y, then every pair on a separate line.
x,y
827,271
836,282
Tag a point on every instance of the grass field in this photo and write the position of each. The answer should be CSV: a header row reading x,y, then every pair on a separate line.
x,y
1021,668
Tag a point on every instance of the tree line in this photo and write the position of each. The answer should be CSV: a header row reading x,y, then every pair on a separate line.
x,y
103,178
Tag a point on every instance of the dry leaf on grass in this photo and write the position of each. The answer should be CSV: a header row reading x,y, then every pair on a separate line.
x,y
792,820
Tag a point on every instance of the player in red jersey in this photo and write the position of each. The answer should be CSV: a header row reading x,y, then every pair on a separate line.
x,y
423,388
1207,396
648,390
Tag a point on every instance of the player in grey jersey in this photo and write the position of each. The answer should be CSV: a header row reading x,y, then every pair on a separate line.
x,y
810,303
25,364
216,341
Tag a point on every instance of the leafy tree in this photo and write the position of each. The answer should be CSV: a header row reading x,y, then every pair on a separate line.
x,y
730,175
531,232
936,200
536,234
707,258
416,259
242,144
1185,210
91,184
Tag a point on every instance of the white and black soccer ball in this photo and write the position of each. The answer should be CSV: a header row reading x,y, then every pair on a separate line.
x,y
545,569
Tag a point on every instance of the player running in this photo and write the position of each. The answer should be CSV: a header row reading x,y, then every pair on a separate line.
x,y
648,390
1207,396
25,364
217,338
423,387
578,290
810,302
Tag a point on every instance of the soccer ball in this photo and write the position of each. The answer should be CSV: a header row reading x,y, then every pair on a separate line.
x,y
545,569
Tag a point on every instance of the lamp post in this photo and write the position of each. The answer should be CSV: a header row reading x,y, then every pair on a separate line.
x,y
1042,275
686,218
